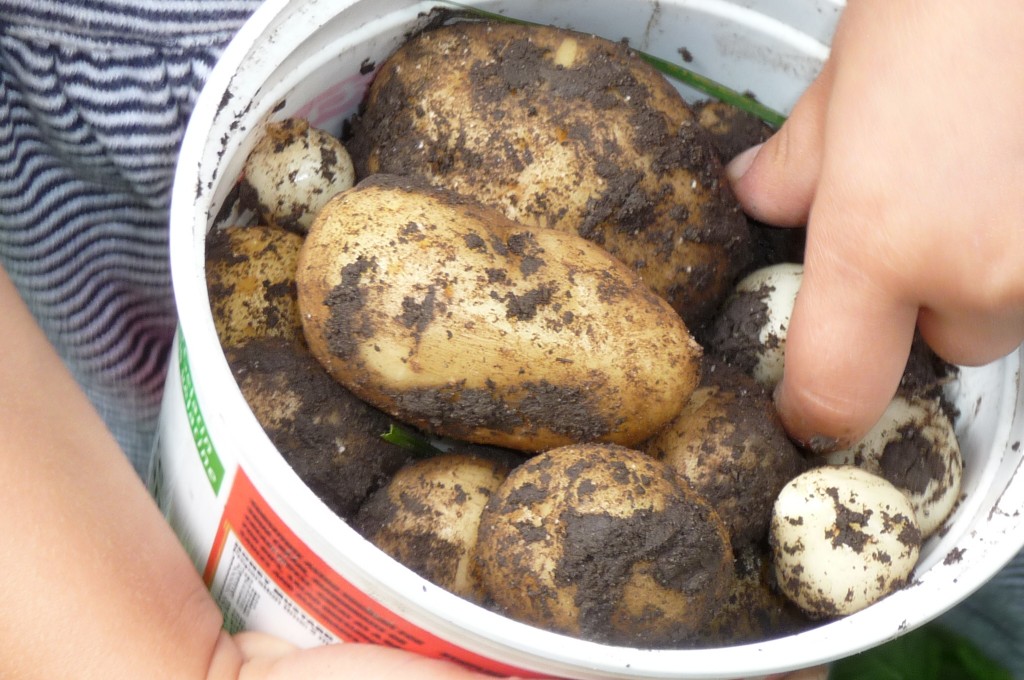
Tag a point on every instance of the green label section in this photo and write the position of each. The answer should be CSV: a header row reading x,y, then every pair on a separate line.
x,y
204,445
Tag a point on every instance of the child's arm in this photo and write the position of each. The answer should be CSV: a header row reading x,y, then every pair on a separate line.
x,y
906,160
93,582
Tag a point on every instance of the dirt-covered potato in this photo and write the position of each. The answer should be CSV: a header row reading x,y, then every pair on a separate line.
x,y
755,609
730,129
329,437
750,330
565,130
427,517
250,277
292,171
604,543
842,538
454,319
730,446
733,130
914,446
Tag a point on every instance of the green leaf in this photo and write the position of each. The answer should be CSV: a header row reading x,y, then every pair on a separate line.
x,y
410,440
678,72
928,653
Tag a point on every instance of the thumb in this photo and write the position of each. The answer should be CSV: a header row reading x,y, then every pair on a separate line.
x,y
775,181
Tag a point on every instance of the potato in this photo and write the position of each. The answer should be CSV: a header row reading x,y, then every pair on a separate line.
x,y
730,446
292,171
604,543
428,514
250,278
329,437
564,130
755,609
454,319
750,331
913,446
731,129
842,538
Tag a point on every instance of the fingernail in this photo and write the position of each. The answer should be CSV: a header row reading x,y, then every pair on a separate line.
x,y
739,165
798,429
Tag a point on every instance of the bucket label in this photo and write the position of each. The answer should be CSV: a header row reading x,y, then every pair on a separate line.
x,y
259,569
208,457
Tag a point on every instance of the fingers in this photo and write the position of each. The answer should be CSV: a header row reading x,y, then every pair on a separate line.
x,y
254,645
848,341
847,345
970,339
892,242
816,673
775,182
267,658
386,662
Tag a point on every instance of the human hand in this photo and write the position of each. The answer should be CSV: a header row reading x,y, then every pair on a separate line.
x,y
257,656
905,158
816,673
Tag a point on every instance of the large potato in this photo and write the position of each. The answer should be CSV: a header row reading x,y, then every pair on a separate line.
x,y
563,130
461,322
604,543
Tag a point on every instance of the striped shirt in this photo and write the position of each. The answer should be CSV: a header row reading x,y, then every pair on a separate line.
x,y
94,99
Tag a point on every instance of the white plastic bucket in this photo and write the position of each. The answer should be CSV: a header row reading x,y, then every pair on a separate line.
x,y
278,560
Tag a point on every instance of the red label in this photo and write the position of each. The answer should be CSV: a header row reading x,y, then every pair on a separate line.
x,y
325,595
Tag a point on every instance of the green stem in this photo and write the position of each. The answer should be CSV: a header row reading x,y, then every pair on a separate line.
x,y
715,89
410,440
684,75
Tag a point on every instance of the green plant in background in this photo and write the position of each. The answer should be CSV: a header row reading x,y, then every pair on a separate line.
x,y
931,652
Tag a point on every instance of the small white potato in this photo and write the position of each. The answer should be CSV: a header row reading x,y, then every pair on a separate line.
x,y
914,446
293,170
842,538
750,332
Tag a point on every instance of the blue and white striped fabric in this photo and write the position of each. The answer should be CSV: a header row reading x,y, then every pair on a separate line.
x,y
94,98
